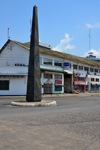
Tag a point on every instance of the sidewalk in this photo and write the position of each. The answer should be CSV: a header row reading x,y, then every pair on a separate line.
x,y
71,95
57,95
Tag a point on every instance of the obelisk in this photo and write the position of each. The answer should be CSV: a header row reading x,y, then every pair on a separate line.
x,y
33,83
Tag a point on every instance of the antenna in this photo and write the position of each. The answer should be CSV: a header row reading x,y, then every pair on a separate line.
x,y
8,35
30,29
89,38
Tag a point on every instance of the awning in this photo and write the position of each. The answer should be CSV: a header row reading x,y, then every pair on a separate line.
x,y
52,70
95,84
68,71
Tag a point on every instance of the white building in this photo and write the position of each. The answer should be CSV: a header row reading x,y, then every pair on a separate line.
x,y
60,72
92,57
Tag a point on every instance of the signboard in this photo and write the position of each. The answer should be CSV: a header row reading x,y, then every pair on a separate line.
x,y
58,81
79,83
79,75
76,74
66,64
82,75
75,79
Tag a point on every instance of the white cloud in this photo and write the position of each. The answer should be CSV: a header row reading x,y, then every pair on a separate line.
x,y
95,53
64,44
69,47
97,25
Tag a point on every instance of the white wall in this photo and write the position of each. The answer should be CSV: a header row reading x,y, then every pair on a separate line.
x,y
16,86
13,70
18,54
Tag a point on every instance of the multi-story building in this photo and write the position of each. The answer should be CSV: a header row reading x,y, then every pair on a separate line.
x,y
60,72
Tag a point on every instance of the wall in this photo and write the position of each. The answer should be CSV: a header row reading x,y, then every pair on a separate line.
x,y
13,70
18,54
16,86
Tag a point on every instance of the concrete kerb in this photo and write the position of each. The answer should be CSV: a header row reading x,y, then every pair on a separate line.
x,y
53,95
34,104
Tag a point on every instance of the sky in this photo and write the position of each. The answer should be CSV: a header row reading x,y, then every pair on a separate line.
x,y
63,24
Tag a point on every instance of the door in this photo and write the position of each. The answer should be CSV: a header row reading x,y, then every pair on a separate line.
x,y
81,88
47,88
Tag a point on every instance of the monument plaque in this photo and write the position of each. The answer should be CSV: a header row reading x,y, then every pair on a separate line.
x,y
34,84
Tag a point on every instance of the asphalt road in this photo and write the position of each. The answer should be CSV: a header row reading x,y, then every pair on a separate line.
x,y
74,124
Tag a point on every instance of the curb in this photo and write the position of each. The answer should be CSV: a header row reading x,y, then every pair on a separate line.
x,y
34,104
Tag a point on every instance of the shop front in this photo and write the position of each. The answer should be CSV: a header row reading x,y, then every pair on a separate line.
x,y
52,83
68,78
95,87
79,82
80,86
94,83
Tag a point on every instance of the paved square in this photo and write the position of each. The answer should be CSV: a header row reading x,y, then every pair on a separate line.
x,y
74,124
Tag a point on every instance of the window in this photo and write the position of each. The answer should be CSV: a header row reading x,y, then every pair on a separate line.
x,y
86,68
70,65
47,61
40,60
58,63
96,70
58,88
97,80
80,67
58,76
81,79
48,76
19,64
99,70
91,69
92,79
4,85
74,66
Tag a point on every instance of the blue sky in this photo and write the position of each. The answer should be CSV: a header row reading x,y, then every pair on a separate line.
x,y
63,24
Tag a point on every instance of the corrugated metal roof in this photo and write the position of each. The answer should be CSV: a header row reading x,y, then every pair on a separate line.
x,y
65,56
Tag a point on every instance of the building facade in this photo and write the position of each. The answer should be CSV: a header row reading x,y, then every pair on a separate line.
x,y
60,72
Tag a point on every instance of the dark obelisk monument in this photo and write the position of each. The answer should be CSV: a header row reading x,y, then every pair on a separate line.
x,y
34,84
